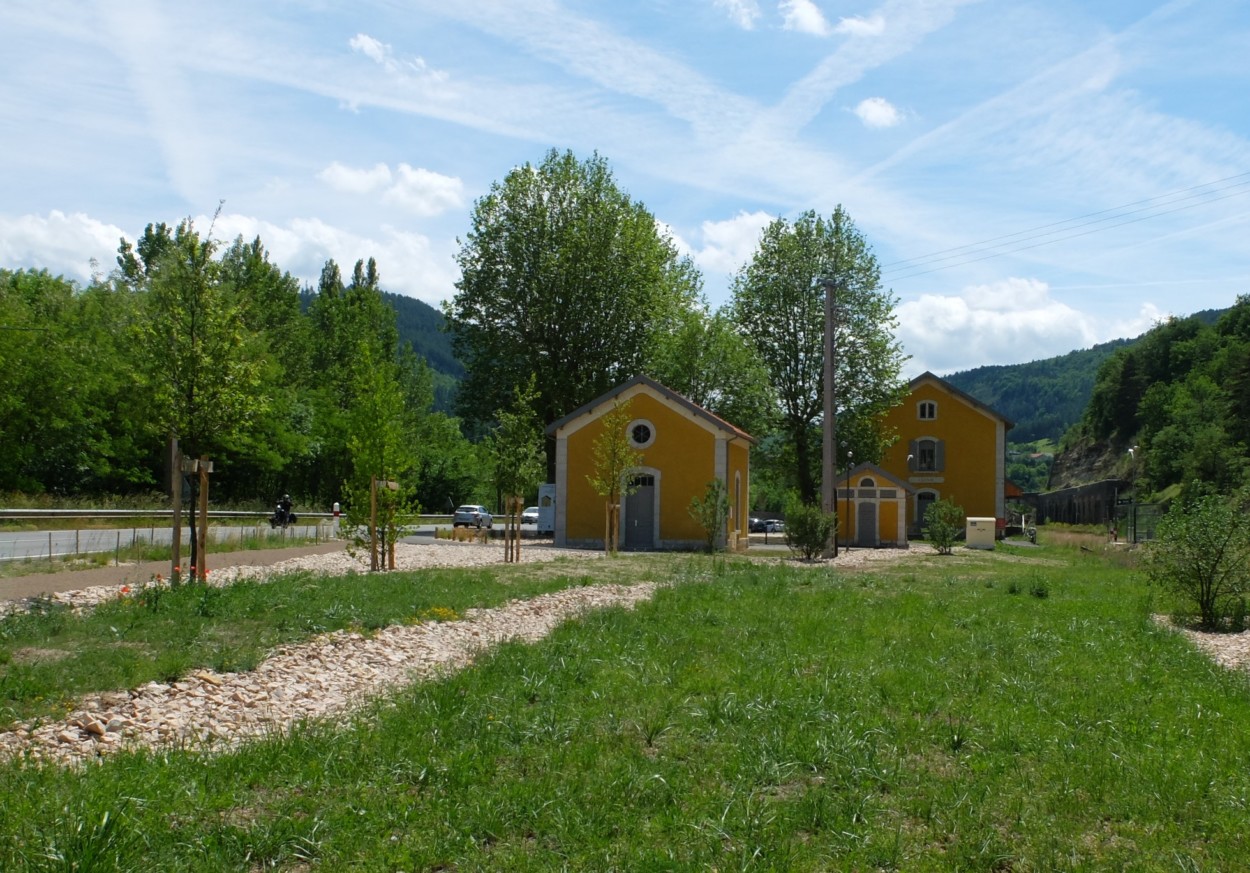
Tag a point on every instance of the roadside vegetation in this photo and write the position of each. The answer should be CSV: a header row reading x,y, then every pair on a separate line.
x,y
1017,709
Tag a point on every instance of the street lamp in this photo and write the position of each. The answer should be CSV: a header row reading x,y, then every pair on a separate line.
x,y
849,455
1132,453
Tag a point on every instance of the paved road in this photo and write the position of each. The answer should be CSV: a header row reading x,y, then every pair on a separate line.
x,y
137,574
33,545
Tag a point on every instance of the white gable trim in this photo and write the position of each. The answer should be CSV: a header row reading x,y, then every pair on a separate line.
x,y
602,409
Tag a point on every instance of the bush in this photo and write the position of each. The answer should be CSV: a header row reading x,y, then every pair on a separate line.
x,y
807,528
1200,554
942,522
711,511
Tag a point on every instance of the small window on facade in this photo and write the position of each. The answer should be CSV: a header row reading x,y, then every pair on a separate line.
x,y
928,410
641,433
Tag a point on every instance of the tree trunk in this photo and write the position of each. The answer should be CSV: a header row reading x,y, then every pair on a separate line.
x,y
802,455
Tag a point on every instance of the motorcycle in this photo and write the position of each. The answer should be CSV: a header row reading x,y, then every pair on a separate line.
x,y
281,517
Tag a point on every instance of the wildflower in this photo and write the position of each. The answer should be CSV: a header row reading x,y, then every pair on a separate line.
x,y
125,589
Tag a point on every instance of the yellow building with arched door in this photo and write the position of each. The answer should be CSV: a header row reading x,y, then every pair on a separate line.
x,y
682,447
949,446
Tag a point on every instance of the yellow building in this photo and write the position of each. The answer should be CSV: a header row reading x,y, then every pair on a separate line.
x,y
683,447
949,445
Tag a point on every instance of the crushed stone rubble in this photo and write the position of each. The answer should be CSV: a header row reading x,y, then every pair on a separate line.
x,y
317,679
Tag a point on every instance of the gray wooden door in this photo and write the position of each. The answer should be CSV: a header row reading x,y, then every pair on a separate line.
x,y
866,525
640,515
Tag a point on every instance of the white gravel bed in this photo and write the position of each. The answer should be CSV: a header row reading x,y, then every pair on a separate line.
x,y
316,679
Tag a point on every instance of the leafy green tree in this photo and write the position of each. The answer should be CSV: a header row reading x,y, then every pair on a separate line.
x,y
380,448
711,511
614,456
517,445
562,275
516,448
708,360
779,304
341,318
943,521
201,373
1201,554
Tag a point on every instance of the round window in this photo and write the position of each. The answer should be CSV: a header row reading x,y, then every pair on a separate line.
x,y
641,433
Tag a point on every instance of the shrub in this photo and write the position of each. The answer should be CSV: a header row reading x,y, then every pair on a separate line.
x,y
1201,553
711,511
808,529
942,522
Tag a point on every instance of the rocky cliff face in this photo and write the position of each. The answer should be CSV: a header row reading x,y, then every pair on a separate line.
x,y
1082,463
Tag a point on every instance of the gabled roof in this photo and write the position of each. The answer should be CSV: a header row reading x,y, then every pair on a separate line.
x,y
666,394
876,472
926,376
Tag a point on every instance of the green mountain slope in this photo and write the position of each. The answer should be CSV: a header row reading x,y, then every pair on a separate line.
x,y
1044,398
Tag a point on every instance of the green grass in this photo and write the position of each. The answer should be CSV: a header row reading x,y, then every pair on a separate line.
x,y
944,716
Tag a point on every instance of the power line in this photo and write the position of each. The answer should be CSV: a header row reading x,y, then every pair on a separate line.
x,y
1071,228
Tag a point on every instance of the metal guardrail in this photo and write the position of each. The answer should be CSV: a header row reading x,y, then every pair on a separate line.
x,y
37,514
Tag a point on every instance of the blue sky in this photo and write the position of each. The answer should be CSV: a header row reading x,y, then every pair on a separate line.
x,y
1103,147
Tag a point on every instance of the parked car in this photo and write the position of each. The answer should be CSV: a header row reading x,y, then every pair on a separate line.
x,y
755,525
472,515
774,525
530,515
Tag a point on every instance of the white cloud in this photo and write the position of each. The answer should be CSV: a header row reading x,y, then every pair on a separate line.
x,y
878,112
354,181
744,13
63,244
1009,322
874,26
409,263
376,51
804,16
424,192
382,55
415,189
728,245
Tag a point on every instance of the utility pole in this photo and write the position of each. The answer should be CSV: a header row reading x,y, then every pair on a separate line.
x,y
828,474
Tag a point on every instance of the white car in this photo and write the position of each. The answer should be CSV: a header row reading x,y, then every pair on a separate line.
x,y
472,515
530,515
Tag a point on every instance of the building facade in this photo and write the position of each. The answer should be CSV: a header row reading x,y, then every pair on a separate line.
x,y
682,446
949,446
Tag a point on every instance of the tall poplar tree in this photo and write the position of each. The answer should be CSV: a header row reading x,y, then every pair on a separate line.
x,y
778,301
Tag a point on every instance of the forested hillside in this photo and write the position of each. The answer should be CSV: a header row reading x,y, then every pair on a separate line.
x,y
421,326
1044,398
1179,397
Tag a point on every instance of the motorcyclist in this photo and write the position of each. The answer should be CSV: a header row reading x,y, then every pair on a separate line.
x,y
282,515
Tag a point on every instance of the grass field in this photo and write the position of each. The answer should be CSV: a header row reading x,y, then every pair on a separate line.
x,y
1016,710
